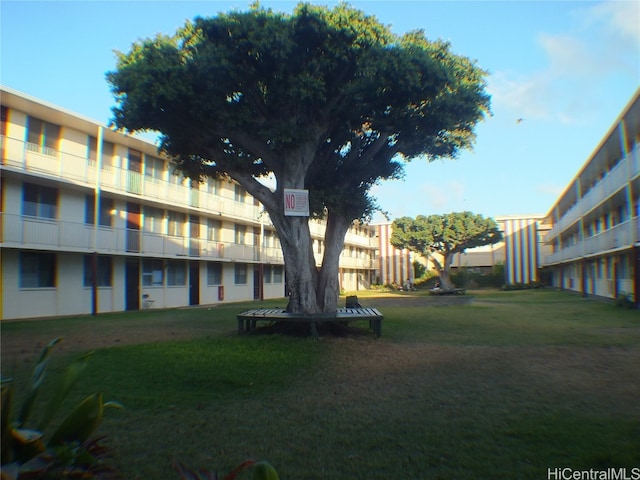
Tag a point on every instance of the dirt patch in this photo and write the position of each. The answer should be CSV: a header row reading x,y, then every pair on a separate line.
x,y
89,335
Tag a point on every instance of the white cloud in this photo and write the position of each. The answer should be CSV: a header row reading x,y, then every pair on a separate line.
x,y
603,44
444,197
550,189
619,18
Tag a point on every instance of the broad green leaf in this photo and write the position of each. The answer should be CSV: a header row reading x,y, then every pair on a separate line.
x,y
5,436
80,423
264,471
71,377
36,381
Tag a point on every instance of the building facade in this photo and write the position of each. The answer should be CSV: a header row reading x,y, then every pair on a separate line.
x,y
594,225
394,265
93,220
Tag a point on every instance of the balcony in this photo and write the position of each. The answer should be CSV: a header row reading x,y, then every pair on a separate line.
x,y
24,232
60,165
621,236
614,180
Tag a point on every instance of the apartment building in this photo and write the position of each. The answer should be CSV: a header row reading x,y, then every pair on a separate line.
x,y
93,220
394,265
594,226
519,252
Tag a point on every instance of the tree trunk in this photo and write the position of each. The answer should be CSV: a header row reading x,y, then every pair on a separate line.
x,y
300,267
443,271
328,289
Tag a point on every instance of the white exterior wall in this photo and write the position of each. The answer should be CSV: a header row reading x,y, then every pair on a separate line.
x,y
595,224
68,237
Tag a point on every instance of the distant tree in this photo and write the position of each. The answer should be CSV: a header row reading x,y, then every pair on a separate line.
x,y
322,99
446,235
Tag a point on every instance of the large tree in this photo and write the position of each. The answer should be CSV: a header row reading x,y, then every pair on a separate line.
x,y
322,99
445,235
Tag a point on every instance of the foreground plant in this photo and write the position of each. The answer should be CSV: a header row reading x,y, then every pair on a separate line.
x,y
261,471
68,451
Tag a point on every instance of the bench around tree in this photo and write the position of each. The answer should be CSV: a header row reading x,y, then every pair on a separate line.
x,y
247,320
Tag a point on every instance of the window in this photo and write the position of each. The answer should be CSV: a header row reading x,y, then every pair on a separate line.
x,y
240,274
213,185
176,273
4,119
153,169
106,207
152,273
214,229
277,274
176,224
135,161
153,219
39,201
240,194
107,155
105,270
266,273
214,273
92,150
37,270
176,178
42,136
240,234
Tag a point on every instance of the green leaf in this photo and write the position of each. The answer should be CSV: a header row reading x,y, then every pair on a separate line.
x,y
264,471
36,381
80,423
5,436
71,377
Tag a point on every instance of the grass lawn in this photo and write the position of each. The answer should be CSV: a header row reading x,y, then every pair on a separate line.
x,y
503,388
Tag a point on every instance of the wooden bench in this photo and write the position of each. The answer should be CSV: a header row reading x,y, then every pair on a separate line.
x,y
247,320
453,291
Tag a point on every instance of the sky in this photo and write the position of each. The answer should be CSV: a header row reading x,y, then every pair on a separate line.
x,y
559,75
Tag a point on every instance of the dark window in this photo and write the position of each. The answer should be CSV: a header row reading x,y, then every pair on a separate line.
x,y
240,233
277,274
267,273
176,275
37,270
106,207
42,136
92,150
152,273
39,201
240,277
105,270
214,273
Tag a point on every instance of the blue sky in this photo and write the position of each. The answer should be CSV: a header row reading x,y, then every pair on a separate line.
x,y
567,69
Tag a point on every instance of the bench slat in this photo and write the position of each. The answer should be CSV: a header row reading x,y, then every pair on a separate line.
x,y
248,319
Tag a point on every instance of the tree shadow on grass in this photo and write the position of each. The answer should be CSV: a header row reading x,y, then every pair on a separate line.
x,y
303,330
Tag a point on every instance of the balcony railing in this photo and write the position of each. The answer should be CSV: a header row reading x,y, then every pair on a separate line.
x,y
20,231
622,235
613,181
30,157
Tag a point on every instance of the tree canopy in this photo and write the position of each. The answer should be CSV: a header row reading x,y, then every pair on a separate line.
x,y
328,100
446,235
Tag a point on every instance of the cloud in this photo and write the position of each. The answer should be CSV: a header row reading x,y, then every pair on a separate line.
x,y
603,44
550,189
444,197
620,19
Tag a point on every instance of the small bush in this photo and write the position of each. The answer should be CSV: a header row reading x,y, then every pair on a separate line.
x,y
521,286
32,450
624,300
